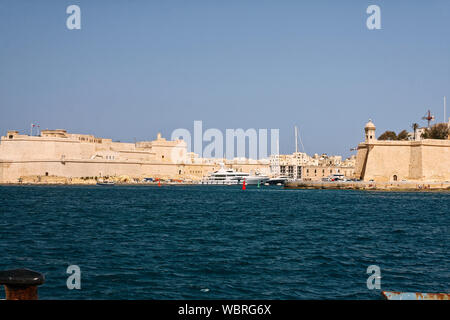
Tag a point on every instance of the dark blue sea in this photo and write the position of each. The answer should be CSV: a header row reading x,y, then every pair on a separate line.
x,y
215,242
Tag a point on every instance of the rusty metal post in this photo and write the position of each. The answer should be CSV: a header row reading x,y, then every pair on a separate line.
x,y
21,284
394,295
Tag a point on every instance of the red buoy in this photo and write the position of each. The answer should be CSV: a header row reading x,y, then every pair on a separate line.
x,y
243,185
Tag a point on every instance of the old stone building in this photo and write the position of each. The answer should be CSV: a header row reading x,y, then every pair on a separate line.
x,y
384,161
301,166
57,153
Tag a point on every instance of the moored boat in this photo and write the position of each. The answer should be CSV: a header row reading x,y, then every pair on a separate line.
x,y
277,181
106,183
225,177
257,179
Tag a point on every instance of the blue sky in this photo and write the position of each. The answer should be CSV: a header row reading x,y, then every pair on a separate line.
x,y
141,67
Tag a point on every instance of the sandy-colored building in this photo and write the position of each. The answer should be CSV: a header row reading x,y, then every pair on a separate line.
x,y
57,153
61,154
299,165
385,161
317,173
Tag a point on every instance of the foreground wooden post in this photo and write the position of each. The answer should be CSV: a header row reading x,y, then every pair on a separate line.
x,y
21,284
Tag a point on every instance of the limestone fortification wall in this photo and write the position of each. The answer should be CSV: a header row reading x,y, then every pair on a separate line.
x,y
436,160
68,155
361,160
418,160
57,153
12,171
384,161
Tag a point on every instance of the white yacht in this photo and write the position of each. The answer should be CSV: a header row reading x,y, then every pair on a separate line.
x,y
225,176
257,179
277,181
231,177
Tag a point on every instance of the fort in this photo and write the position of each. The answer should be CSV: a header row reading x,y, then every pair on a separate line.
x,y
56,156
59,156
418,160
407,165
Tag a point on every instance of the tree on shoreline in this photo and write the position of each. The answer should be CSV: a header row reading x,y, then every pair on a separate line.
x,y
392,136
439,131
403,135
388,135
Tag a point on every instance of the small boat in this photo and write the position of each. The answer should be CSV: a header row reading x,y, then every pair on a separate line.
x,y
393,295
106,183
278,181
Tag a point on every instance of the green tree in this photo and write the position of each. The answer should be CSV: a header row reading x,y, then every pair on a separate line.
x,y
403,135
388,135
438,131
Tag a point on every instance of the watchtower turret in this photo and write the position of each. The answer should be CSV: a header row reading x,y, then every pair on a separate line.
x,y
370,131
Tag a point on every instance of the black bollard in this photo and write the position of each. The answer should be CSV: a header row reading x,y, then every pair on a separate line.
x,y
21,284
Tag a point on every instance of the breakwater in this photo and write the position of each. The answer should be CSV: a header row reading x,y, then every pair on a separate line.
x,y
363,185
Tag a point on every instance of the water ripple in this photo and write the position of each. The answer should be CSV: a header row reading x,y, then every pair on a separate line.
x,y
220,242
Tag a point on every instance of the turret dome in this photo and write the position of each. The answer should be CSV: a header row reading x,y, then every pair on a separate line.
x,y
370,125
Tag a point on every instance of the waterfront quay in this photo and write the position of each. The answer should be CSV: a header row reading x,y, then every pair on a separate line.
x,y
370,185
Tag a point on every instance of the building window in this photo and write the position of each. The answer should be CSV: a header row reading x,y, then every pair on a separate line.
x,y
46,174
395,177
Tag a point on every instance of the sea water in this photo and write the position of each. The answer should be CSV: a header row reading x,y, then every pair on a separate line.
x,y
221,242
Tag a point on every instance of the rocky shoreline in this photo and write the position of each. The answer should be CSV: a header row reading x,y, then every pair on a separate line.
x,y
375,186
117,180
299,184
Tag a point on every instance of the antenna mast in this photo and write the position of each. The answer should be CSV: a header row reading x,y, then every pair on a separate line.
x,y
278,146
301,142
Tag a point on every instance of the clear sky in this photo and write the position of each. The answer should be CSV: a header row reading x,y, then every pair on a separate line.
x,y
141,67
